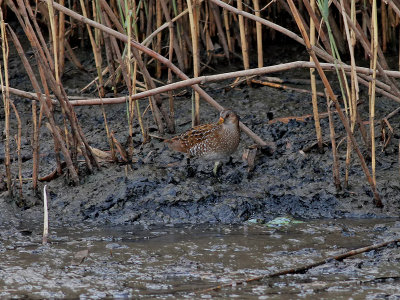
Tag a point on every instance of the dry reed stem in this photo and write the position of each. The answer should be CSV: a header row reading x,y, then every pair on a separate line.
x,y
145,132
155,103
165,61
72,57
196,56
243,39
57,89
204,79
6,103
128,20
353,97
38,31
374,50
317,23
285,87
113,78
367,47
146,42
384,23
260,56
221,33
18,142
318,51
61,39
321,53
377,200
110,140
54,36
314,85
159,37
335,166
46,109
227,28
95,48
219,77
36,129
116,53
22,16
79,139
172,41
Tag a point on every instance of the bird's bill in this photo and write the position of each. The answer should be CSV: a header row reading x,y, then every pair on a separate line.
x,y
221,120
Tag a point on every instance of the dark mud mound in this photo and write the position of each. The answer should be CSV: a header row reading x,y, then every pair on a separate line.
x,y
150,192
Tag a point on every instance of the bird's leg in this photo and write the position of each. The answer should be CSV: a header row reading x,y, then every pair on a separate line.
x,y
217,167
189,170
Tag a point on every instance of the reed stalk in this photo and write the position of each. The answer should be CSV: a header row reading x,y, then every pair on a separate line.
x,y
18,142
109,138
243,39
314,99
377,199
170,56
316,21
43,45
54,35
46,109
129,22
335,166
6,102
227,28
260,56
350,36
372,90
61,39
346,94
196,56
145,133
384,24
95,48
159,37
362,38
185,45
148,79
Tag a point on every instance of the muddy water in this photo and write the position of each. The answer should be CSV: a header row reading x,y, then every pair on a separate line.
x,y
180,262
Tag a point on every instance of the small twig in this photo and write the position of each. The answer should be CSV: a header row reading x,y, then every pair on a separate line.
x,y
45,217
285,87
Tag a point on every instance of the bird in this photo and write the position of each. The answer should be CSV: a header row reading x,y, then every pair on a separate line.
x,y
213,141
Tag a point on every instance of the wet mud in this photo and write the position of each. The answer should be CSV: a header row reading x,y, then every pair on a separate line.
x,y
183,262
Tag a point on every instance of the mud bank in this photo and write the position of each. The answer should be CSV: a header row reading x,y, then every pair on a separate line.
x,y
296,179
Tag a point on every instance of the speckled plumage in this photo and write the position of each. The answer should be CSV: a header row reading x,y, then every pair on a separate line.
x,y
210,141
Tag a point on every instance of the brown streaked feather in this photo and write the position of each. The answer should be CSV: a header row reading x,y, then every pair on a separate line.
x,y
195,135
211,141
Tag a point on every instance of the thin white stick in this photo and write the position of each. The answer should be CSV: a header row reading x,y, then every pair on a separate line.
x,y
45,217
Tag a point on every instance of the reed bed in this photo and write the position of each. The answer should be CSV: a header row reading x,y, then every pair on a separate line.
x,y
137,43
